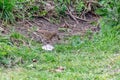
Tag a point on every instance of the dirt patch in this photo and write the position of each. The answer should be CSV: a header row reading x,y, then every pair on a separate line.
x,y
43,31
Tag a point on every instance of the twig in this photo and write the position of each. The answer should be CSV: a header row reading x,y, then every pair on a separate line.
x,y
47,19
82,19
94,2
75,18
29,23
71,15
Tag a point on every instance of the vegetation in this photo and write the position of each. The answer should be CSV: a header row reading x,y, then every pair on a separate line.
x,y
94,56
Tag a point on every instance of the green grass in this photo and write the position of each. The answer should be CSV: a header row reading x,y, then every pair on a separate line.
x,y
97,58
78,66
15,10
83,59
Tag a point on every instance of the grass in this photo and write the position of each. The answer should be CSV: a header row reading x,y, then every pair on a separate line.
x,y
82,59
78,66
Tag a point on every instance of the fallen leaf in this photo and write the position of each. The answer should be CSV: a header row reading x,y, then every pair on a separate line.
x,y
34,60
60,69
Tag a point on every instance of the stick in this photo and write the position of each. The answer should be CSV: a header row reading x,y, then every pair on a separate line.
x,y
71,15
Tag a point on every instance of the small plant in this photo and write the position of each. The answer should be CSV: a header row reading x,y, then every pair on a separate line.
x,y
79,6
61,10
6,10
17,39
110,11
16,35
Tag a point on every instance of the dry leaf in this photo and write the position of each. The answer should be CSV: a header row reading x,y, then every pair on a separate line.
x,y
60,69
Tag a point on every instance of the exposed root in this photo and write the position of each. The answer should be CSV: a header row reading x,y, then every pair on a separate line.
x,y
72,16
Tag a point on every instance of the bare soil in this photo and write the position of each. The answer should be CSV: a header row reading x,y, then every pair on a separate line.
x,y
44,31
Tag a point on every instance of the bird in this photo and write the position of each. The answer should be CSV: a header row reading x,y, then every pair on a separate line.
x,y
46,35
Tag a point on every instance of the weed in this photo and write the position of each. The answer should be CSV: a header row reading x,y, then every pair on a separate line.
x,y
61,10
6,9
79,6
110,11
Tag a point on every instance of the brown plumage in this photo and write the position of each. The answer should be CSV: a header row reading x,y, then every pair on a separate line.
x,y
47,35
